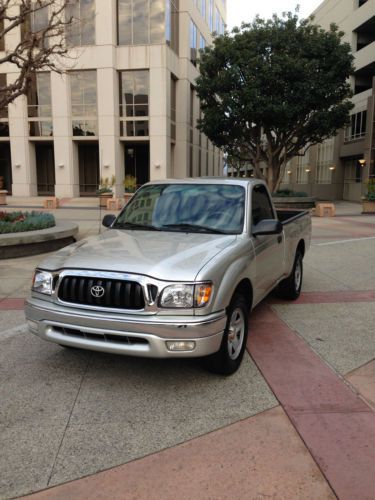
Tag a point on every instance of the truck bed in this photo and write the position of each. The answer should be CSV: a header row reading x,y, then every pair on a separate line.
x,y
286,216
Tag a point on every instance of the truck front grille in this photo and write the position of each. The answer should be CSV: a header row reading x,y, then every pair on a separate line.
x,y
100,337
101,292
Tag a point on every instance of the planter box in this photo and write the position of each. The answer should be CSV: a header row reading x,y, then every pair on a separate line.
x,y
103,198
127,197
297,202
368,207
51,202
3,197
114,204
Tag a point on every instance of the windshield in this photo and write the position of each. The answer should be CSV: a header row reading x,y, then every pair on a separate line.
x,y
206,208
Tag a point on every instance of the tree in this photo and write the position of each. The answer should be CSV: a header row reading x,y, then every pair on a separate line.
x,y
273,88
40,47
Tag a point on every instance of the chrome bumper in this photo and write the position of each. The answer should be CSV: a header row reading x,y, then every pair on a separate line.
x,y
144,336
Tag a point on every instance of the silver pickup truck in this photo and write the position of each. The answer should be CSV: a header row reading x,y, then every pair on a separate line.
x,y
176,274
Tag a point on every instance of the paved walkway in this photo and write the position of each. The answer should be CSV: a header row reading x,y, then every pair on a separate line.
x,y
296,422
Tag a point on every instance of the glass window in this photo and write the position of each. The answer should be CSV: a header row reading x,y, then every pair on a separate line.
x,y
200,208
141,16
172,24
35,22
303,169
84,102
217,21
81,31
134,103
141,22
157,21
3,84
39,105
211,15
2,39
324,163
193,42
352,170
357,127
202,42
173,106
4,124
261,207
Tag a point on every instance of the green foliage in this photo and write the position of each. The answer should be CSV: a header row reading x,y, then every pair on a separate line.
x,y
370,196
285,193
271,89
17,222
106,185
130,184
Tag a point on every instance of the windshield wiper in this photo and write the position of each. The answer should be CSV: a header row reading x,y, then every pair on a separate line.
x,y
133,225
195,228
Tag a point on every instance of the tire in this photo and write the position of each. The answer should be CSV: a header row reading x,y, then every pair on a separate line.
x,y
290,288
228,358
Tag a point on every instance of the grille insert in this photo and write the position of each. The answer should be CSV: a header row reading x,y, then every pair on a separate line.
x,y
100,337
118,294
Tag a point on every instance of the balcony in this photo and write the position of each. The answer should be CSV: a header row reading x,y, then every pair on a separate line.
x,y
365,33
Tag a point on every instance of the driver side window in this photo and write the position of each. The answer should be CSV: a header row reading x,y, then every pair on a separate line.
x,y
261,207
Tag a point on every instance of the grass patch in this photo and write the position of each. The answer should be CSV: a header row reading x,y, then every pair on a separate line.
x,y
18,222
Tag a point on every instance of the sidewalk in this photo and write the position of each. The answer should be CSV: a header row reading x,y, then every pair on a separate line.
x,y
296,422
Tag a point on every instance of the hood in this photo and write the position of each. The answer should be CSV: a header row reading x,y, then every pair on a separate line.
x,y
169,256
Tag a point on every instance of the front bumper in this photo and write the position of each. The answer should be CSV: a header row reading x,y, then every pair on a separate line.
x,y
144,336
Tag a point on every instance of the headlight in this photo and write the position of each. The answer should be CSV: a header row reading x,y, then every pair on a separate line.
x,y
42,282
186,296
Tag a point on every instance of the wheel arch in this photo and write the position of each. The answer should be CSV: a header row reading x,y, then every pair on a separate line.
x,y
301,247
245,288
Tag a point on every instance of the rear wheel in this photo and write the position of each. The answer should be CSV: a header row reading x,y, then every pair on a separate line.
x,y
228,359
290,288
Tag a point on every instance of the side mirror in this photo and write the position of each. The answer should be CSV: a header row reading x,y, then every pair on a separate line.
x,y
108,220
268,226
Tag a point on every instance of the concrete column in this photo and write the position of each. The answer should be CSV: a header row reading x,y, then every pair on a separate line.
x,y
160,148
22,151
182,128
66,159
111,163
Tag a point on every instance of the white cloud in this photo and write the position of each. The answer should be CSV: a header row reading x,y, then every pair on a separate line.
x,y
246,10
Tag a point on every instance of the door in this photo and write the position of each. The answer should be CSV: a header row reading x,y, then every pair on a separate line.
x,y
5,167
269,249
45,169
137,161
89,177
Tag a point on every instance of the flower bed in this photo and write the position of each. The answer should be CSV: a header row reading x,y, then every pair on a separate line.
x,y
17,222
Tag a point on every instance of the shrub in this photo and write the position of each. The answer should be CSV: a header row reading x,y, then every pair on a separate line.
x,y
284,193
17,222
370,196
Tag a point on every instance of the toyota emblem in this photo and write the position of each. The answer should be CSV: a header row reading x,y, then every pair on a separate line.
x,y
97,291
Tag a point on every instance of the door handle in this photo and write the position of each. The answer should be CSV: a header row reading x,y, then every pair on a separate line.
x,y
279,239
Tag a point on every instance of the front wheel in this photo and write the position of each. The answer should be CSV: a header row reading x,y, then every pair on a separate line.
x,y
228,359
290,288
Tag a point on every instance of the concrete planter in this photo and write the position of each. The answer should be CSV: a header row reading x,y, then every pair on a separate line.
x,y
128,197
103,198
297,202
368,207
3,197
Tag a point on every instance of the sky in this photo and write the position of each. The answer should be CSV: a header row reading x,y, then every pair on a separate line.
x,y
246,10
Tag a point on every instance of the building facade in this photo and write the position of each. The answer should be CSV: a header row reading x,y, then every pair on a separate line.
x,y
341,167
126,105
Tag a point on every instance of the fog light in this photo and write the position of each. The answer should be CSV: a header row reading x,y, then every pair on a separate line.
x,y
181,346
33,325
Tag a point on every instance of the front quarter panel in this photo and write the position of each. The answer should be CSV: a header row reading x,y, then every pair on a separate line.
x,y
227,270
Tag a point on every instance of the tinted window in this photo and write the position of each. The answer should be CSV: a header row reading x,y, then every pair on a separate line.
x,y
261,207
212,206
